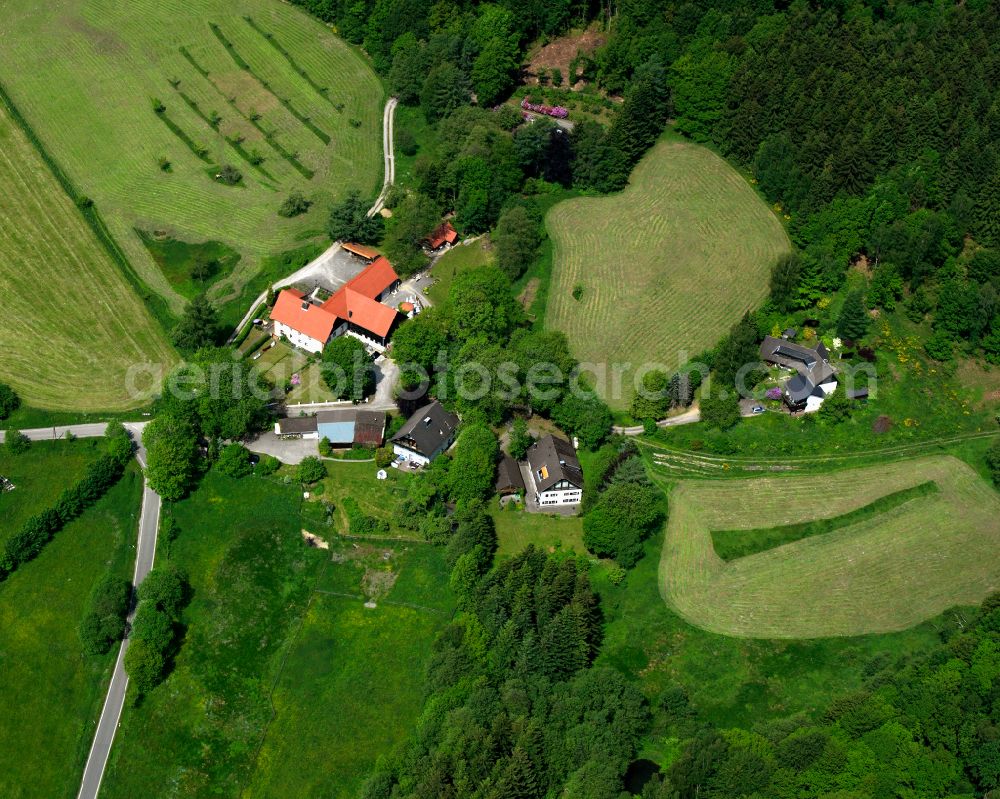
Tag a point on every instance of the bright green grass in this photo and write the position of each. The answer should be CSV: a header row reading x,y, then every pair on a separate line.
x,y
458,259
53,693
666,266
379,498
516,529
733,544
351,686
73,324
84,75
178,261
731,682
882,573
40,475
194,735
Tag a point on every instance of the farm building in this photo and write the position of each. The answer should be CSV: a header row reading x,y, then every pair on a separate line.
x,y
426,434
555,471
365,253
355,308
343,427
509,481
815,378
443,235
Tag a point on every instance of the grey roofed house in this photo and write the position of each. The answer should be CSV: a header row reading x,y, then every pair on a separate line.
x,y
553,460
509,480
296,425
813,368
428,432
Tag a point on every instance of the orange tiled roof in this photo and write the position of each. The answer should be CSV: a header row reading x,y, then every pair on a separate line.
x,y
442,233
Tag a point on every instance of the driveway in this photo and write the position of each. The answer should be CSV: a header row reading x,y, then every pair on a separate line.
x,y
291,451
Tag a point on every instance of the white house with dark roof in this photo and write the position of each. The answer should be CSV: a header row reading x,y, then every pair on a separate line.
x,y
556,476
815,377
426,434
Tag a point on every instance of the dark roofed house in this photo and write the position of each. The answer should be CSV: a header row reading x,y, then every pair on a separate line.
x,y
815,377
509,481
297,426
555,471
426,434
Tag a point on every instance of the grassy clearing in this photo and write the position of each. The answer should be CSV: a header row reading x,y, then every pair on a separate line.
x,y
731,682
73,342
282,688
379,498
733,544
54,692
666,266
457,260
241,546
40,475
516,529
887,572
351,685
227,99
180,262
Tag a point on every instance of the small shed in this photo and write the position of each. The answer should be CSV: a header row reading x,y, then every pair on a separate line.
x,y
360,250
509,480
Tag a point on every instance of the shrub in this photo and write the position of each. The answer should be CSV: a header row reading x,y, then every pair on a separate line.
x,y
104,622
311,470
229,175
294,205
234,460
9,401
268,465
158,106
325,447
360,523
384,456
17,442
406,141
520,440
164,163
621,520
144,664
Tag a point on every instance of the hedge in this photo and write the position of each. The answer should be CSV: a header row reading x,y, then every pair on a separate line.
x,y
37,531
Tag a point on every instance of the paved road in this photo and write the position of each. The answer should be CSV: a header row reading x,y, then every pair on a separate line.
x,y
388,122
51,433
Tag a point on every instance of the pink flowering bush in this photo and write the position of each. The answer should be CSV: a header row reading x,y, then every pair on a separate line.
x,y
773,393
556,111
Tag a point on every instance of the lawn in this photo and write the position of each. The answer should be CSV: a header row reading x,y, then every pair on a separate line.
x,y
664,268
886,572
53,692
351,686
280,687
516,529
251,575
40,475
143,104
345,478
73,324
458,259
731,682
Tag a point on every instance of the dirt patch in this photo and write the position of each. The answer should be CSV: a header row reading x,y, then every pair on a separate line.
x,y
527,296
314,540
104,42
860,263
558,54
378,582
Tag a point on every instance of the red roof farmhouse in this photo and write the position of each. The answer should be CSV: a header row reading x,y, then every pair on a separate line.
x,y
356,307
443,234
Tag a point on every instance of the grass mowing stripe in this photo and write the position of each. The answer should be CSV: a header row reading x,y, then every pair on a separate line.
x,y
733,544
200,152
242,64
90,213
322,91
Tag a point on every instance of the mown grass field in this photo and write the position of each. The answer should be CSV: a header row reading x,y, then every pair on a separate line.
x,y
456,260
516,529
351,685
888,572
665,267
73,326
285,684
85,75
40,474
53,693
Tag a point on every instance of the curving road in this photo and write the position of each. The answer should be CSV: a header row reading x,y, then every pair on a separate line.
x,y
389,159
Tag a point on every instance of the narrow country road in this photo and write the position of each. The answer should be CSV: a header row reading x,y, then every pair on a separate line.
x,y
145,553
389,159
149,522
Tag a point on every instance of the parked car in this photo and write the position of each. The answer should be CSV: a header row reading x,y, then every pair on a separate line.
x,y
757,409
